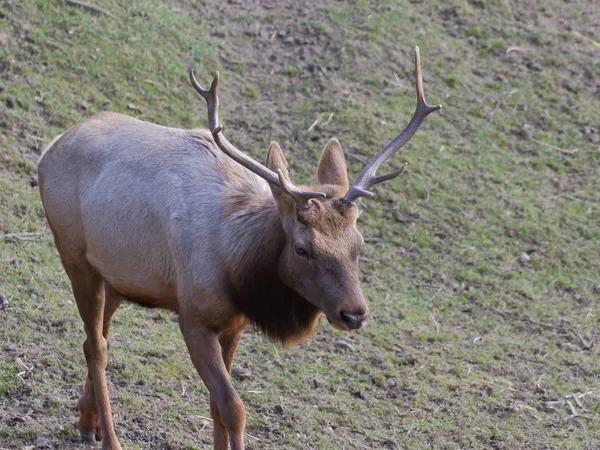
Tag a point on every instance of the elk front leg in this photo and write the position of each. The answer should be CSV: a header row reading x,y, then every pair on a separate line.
x,y
206,353
229,343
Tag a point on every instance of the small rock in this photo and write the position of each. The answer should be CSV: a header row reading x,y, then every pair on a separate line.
x,y
218,32
42,443
37,404
33,182
591,133
344,346
363,395
390,383
524,257
388,443
3,302
11,349
587,130
524,133
377,361
278,409
240,373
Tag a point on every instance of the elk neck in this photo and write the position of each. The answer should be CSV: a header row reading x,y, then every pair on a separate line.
x,y
256,240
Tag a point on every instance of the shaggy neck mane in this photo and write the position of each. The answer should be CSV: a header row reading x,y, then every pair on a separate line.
x,y
257,240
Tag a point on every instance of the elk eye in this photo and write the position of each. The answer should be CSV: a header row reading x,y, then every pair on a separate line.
x,y
301,251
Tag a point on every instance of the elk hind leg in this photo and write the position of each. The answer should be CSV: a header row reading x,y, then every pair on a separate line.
x,y
89,419
88,289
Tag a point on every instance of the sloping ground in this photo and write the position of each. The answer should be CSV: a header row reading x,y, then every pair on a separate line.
x,y
470,344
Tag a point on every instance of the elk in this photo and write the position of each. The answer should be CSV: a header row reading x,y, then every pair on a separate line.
x,y
183,220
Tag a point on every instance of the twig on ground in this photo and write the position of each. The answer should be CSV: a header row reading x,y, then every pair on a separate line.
x,y
435,286
543,325
318,120
586,38
328,120
435,323
435,295
252,437
27,370
90,7
438,408
370,260
30,236
315,123
497,311
358,158
562,150
576,397
586,345
559,328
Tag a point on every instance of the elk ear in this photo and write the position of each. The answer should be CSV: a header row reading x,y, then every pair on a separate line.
x,y
276,161
332,166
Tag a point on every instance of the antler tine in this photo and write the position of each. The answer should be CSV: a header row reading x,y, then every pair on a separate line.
x,y
299,196
211,98
367,177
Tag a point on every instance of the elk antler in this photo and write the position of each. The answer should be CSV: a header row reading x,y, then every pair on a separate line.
x,y
367,177
300,196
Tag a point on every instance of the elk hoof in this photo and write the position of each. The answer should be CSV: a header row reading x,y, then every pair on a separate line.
x,y
88,436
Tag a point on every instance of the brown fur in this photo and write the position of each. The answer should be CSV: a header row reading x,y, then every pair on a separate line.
x,y
162,218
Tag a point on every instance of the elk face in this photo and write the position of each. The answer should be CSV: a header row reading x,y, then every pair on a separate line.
x,y
320,258
321,254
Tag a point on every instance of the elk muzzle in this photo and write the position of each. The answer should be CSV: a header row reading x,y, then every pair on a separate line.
x,y
353,321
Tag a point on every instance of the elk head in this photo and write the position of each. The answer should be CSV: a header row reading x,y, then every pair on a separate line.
x,y
320,258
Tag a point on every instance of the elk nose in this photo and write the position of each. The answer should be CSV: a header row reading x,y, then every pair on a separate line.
x,y
353,321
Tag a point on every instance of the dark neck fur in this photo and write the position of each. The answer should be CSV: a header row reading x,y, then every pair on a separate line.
x,y
255,287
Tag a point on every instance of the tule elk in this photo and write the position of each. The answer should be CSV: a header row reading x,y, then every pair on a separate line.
x,y
183,220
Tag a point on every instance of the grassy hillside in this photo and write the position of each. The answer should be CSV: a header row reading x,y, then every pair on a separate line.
x,y
471,344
